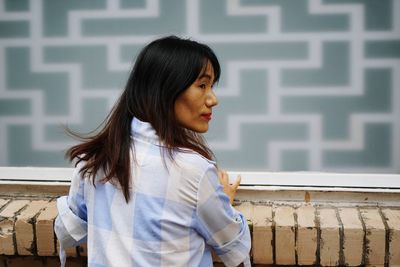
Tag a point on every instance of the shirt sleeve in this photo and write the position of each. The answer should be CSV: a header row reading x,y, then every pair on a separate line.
x,y
71,223
223,228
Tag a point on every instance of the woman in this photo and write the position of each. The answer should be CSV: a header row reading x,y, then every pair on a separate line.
x,y
146,191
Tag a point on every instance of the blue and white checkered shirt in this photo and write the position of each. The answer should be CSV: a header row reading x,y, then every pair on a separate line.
x,y
177,213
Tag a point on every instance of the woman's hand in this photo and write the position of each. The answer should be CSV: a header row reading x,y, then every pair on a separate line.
x,y
229,189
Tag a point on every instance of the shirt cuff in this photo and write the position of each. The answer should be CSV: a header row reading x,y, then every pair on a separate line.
x,y
237,250
70,229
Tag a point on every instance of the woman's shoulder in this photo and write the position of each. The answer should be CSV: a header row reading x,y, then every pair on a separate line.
x,y
79,173
194,161
187,171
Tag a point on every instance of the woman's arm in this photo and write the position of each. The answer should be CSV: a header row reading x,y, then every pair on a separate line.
x,y
223,228
71,223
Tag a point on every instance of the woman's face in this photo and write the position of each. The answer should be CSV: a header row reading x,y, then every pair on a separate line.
x,y
193,107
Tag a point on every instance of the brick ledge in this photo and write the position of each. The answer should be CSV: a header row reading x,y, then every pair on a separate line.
x,y
283,234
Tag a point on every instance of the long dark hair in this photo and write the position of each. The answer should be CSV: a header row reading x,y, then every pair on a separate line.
x,y
164,68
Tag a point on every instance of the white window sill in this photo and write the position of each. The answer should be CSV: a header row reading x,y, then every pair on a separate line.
x,y
337,188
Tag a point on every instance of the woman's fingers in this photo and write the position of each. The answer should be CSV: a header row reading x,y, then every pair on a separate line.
x,y
229,189
236,184
223,177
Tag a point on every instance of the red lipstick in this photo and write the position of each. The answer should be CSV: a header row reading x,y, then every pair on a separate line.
x,y
207,116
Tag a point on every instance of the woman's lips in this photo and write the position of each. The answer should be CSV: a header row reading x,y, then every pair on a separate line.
x,y
207,116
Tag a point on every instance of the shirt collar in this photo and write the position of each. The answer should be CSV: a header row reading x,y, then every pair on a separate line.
x,y
144,131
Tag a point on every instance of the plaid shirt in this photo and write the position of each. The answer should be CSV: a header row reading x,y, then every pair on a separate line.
x,y
177,213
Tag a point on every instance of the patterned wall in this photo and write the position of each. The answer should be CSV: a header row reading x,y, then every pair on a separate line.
x,y
306,85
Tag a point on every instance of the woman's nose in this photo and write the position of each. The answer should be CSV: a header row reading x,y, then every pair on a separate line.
x,y
212,99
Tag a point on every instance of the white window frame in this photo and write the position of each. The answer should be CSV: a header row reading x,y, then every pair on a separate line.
x,y
276,179
293,187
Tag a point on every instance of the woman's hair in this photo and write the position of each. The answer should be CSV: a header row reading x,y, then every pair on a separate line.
x,y
164,69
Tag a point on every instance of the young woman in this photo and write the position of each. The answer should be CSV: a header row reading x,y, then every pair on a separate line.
x,y
146,191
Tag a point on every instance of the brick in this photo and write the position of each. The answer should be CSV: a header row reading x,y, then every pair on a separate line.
x,y
25,261
13,207
3,202
262,235
215,258
375,237
55,262
7,218
306,235
74,262
71,262
44,230
43,262
6,237
70,251
353,236
83,250
284,236
330,239
393,221
24,227
247,209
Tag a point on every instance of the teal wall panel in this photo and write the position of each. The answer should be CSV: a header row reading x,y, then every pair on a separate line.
x,y
14,29
306,85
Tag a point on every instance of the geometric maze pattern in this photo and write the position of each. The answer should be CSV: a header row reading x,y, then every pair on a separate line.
x,y
307,85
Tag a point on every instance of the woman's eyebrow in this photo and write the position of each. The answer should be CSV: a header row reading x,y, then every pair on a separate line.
x,y
204,76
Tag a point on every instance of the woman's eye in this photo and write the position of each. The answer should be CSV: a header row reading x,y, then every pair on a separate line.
x,y
203,86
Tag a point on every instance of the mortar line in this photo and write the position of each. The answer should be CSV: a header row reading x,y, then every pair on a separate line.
x,y
341,238
14,219
33,222
55,251
5,205
318,225
388,236
364,251
296,226
273,241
